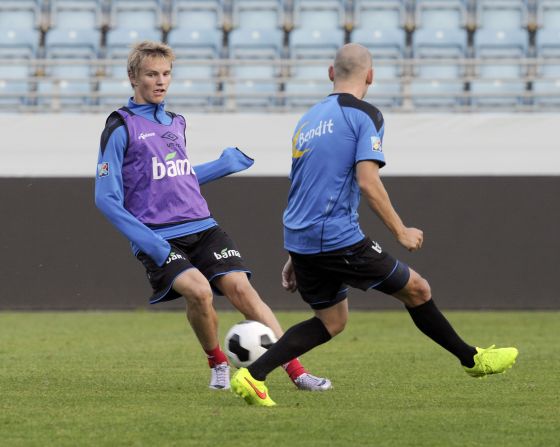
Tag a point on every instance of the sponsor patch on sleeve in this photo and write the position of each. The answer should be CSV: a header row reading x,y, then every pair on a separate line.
x,y
103,169
376,144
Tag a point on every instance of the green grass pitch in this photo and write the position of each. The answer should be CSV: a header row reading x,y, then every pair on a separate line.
x,y
140,379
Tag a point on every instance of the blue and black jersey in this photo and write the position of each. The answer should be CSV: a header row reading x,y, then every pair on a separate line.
x,y
328,142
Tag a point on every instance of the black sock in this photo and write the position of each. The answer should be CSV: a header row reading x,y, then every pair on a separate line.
x,y
296,341
432,323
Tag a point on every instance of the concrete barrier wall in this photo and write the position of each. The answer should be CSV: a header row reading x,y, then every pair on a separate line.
x,y
490,242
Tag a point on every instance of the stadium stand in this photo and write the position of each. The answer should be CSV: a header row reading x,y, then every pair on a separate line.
x,y
261,14
319,14
75,14
197,14
22,14
198,52
484,54
256,53
438,14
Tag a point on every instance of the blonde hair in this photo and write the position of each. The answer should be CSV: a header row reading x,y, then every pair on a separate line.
x,y
145,49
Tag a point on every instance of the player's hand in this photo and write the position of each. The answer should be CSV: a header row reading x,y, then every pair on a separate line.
x,y
411,238
289,277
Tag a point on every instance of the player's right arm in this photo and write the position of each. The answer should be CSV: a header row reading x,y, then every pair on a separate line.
x,y
109,196
367,174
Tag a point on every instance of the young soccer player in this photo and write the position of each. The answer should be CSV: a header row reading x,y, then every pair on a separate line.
x,y
148,189
336,153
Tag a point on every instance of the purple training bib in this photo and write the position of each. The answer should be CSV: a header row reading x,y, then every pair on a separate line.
x,y
160,185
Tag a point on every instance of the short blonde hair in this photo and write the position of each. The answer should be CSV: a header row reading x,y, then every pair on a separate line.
x,y
145,49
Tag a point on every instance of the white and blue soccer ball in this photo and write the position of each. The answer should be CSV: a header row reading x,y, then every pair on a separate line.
x,y
246,341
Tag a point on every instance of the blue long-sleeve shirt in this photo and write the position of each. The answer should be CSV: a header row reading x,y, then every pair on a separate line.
x,y
109,191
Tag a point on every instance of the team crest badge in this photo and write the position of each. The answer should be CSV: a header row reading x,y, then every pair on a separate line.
x,y
376,144
103,169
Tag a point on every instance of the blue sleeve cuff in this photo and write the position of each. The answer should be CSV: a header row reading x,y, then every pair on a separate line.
x,y
231,160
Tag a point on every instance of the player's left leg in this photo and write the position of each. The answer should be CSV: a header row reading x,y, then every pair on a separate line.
x,y
237,288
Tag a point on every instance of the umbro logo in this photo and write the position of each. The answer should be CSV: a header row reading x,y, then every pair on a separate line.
x,y
170,136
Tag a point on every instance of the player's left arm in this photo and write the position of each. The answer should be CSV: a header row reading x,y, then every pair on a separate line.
x,y
231,160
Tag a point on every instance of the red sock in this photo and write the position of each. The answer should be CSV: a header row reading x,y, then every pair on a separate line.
x,y
294,369
215,356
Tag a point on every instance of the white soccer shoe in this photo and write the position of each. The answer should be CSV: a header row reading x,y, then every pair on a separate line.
x,y
309,382
219,379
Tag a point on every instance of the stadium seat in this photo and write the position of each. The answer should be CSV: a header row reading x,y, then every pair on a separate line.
x,y
68,75
502,14
197,14
19,45
114,93
388,48
138,14
547,45
497,93
20,14
499,50
253,75
548,14
194,81
309,50
379,14
385,94
446,44
75,14
439,14
437,93
319,14
262,14
546,94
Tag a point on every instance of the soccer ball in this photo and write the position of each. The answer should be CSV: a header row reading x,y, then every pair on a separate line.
x,y
246,341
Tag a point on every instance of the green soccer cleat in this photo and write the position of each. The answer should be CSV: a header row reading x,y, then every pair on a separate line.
x,y
253,391
492,360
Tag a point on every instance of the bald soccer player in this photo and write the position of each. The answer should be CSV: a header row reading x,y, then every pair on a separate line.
x,y
336,154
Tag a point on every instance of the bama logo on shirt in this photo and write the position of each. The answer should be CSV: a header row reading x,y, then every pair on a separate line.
x,y
170,167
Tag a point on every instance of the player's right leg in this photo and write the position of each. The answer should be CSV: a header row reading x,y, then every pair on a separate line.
x,y
178,277
477,362
202,317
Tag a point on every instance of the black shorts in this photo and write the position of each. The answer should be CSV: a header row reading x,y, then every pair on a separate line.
x,y
211,251
323,278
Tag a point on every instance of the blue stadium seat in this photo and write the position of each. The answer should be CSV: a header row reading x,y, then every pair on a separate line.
x,y
262,14
139,14
438,14
193,81
20,14
114,93
309,81
319,14
388,48
547,45
22,45
546,94
548,14
76,14
253,82
197,14
502,14
385,94
498,94
437,93
432,44
492,45
72,43
69,80
380,14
